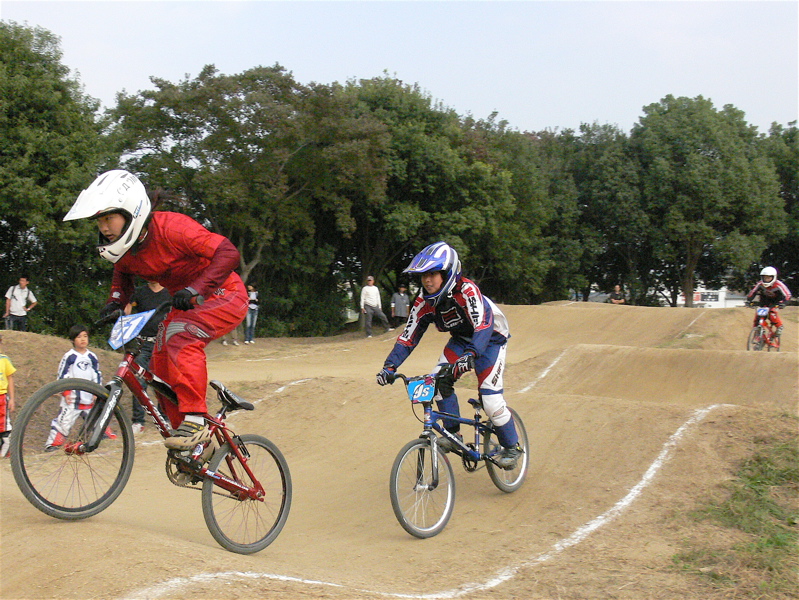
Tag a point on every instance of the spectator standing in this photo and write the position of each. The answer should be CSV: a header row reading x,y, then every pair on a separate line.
x,y
7,371
144,298
400,303
19,301
617,296
82,363
372,306
252,315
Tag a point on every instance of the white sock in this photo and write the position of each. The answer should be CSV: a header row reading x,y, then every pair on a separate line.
x,y
199,419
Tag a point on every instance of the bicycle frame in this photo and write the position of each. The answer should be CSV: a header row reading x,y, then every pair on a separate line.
x,y
766,327
433,417
129,373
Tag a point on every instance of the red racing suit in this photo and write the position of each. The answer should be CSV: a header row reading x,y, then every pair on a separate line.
x,y
772,296
178,252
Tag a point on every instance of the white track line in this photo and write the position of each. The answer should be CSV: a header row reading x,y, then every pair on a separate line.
x,y
676,337
543,374
503,575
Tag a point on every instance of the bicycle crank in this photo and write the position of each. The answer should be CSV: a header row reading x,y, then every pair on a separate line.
x,y
468,463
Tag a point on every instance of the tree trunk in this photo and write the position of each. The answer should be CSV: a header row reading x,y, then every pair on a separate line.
x,y
694,253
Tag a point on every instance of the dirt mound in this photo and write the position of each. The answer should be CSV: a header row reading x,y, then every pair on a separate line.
x,y
633,414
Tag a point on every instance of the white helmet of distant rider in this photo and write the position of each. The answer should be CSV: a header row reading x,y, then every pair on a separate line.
x,y
437,257
768,276
118,192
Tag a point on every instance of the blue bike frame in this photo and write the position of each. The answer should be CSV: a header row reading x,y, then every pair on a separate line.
x,y
422,390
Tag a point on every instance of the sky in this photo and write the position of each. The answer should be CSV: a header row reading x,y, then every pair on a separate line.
x,y
538,64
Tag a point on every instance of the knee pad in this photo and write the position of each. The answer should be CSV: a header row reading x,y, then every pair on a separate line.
x,y
496,409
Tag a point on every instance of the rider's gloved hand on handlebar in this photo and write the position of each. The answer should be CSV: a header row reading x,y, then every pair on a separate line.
x,y
387,374
463,365
108,310
183,299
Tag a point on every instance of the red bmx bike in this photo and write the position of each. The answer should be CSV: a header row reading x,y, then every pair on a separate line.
x,y
763,336
244,478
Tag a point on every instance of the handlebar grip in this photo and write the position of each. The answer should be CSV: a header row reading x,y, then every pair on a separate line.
x,y
109,318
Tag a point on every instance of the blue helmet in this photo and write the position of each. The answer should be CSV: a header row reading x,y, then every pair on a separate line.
x,y
437,257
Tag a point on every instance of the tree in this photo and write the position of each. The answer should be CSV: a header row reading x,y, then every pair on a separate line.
x,y
782,147
275,166
613,227
50,148
706,186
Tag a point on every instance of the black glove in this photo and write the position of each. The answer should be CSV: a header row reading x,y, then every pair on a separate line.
x,y
463,365
386,375
184,299
107,313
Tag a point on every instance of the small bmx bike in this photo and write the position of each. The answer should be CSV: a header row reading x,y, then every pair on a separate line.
x,y
422,485
244,479
763,336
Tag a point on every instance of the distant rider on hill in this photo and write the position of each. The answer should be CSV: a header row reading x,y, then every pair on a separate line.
x,y
773,294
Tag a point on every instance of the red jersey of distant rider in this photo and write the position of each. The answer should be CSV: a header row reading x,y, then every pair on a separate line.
x,y
178,252
773,296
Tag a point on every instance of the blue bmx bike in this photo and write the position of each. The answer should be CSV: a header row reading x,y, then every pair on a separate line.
x,y
422,485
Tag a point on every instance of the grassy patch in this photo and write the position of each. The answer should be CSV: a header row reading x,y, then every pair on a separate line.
x,y
760,510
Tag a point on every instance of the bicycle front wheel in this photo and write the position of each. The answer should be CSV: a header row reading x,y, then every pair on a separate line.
x,y
508,480
755,340
422,496
49,467
247,525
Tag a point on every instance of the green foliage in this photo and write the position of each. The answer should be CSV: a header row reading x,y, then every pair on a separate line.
x,y
319,185
703,180
50,147
782,148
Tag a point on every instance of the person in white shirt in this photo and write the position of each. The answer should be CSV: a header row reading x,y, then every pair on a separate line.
x,y
372,307
80,363
19,300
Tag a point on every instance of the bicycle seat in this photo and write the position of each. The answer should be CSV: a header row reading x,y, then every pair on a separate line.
x,y
229,399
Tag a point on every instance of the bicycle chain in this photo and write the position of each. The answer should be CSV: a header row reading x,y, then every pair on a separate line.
x,y
182,479
177,476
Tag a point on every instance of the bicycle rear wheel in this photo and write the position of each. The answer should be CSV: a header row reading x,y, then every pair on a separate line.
x,y
508,480
755,340
421,509
60,481
247,525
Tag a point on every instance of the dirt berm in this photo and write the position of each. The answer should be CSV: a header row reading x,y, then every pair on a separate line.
x,y
634,415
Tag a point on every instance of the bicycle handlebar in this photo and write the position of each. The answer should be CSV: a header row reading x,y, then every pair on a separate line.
x,y
111,317
446,371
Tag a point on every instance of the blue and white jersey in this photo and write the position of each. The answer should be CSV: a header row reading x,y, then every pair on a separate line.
x,y
467,315
82,366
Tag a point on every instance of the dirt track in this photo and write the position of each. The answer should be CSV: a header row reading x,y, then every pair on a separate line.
x,y
633,414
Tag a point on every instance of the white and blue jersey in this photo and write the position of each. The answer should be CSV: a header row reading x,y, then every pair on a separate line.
x,y
476,325
471,319
82,366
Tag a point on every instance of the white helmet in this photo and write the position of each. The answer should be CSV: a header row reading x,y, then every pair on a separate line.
x,y
114,192
766,272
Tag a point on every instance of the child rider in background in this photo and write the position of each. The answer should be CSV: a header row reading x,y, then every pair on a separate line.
x,y
773,294
479,338
189,261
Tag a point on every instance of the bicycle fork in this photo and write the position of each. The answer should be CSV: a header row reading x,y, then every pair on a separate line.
x,y
421,486
99,418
